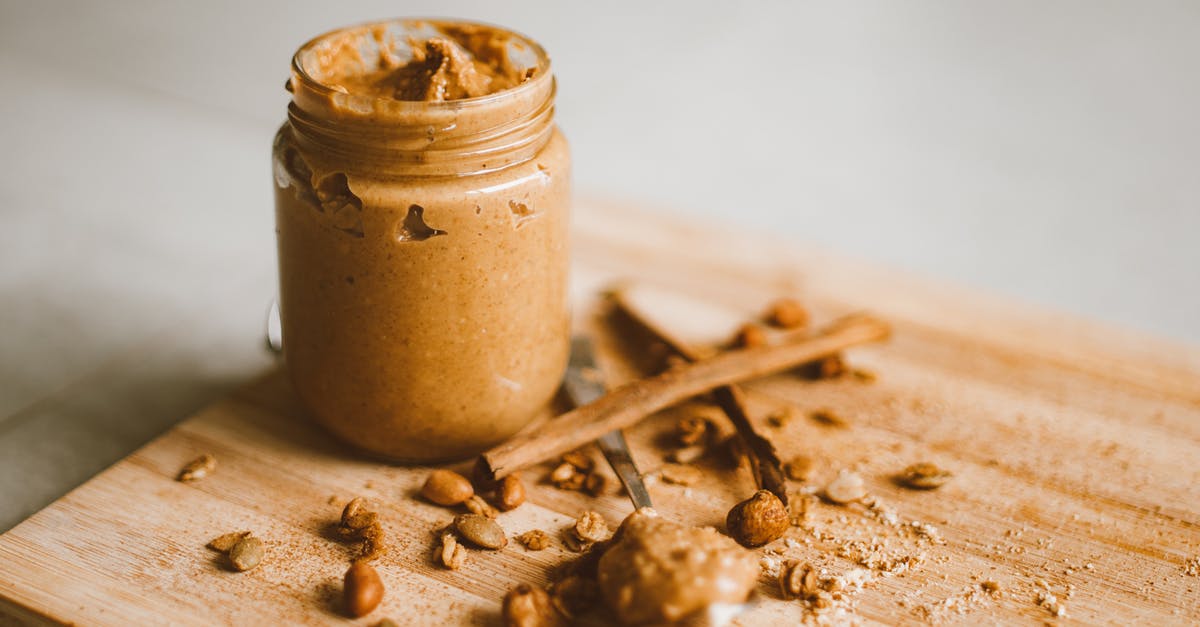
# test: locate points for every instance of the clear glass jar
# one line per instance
(422, 248)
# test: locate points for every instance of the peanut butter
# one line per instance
(422, 194)
(658, 571)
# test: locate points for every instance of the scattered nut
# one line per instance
(567, 477)
(749, 336)
(535, 540)
(562, 472)
(451, 553)
(446, 487)
(990, 587)
(356, 517)
(373, 545)
(787, 313)
(198, 468)
(246, 553)
(798, 580)
(362, 590)
(512, 493)
(595, 484)
(692, 430)
(591, 527)
(924, 476)
(687, 454)
(829, 367)
(581, 461)
(679, 474)
(573, 543)
(865, 376)
(829, 418)
(481, 531)
(476, 505)
(226, 541)
(359, 523)
(758, 520)
(799, 468)
(527, 606)
(847, 487)
(782, 416)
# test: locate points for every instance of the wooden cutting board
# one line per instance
(1075, 449)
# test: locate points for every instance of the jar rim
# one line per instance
(310, 82)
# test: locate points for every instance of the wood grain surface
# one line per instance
(1075, 449)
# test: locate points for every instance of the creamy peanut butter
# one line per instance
(658, 571)
(457, 61)
(422, 193)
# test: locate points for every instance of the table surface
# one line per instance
(1053, 159)
(1072, 445)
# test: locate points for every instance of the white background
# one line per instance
(1046, 150)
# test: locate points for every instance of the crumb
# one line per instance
(847, 487)
(924, 476)
(829, 418)
(591, 527)
(749, 336)
(782, 416)
(799, 468)
(865, 376)
(787, 313)
(476, 505)
(680, 474)
(692, 430)
(198, 468)
(535, 540)
(830, 367)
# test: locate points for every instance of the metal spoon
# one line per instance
(584, 383)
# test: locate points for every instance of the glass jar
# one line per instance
(422, 244)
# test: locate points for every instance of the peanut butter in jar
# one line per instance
(422, 195)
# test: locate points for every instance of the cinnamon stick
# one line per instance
(630, 403)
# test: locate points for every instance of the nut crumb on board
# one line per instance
(591, 527)
(362, 590)
(358, 523)
(924, 476)
(511, 493)
(829, 418)
(535, 539)
(198, 468)
(692, 430)
(446, 487)
(799, 468)
(480, 531)
(680, 474)
(224, 542)
(847, 487)
(450, 553)
(758, 520)
(242, 550)
(478, 506)
(786, 313)
(781, 417)
(749, 336)
(247, 553)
